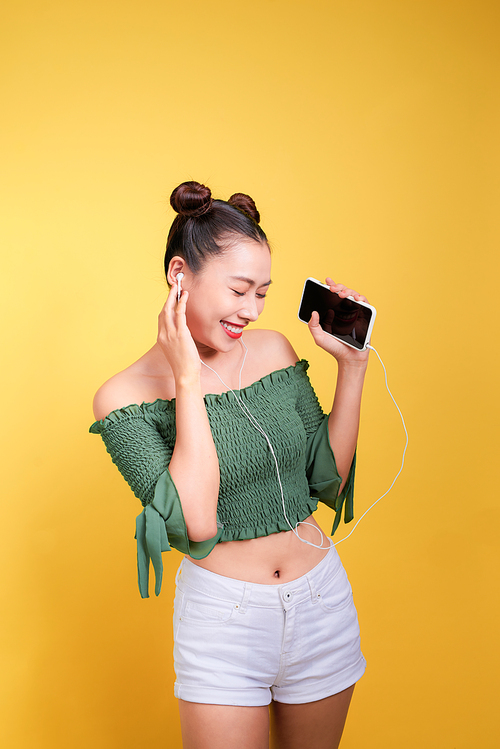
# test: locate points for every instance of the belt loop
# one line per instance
(245, 598)
(315, 596)
(178, 573)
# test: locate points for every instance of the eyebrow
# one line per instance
(249, 281)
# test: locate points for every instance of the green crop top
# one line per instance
(140, 440)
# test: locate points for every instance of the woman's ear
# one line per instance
(176, 265)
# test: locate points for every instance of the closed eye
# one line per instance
(242, 293)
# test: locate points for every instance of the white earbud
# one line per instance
(179, 278)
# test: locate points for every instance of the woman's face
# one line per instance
(227, 294)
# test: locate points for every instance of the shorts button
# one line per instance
(287, 595)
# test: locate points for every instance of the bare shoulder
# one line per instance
(117, 392)
(143, 381)
(272, 347)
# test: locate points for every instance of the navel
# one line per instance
(277, 573)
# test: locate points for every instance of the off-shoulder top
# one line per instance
(141, 439)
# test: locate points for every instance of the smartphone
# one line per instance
(346, 319)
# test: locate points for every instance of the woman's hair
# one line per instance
(206, 227)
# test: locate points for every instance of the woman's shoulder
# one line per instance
(143, 381)
(274, 350)
(115, 393)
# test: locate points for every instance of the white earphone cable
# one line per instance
(402, 461)
(257, 426)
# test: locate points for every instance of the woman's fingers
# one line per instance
(173, 312)
(174, 336)
(315, 327)
(180, 308)
(170, 302)
(344, 291)
(314, 321)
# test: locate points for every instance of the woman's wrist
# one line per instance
(353, 368)
(188, 384)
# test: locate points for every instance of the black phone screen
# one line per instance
(342, 318)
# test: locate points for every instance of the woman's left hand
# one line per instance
(332, 345)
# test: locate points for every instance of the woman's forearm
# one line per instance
(194, 465)
(343, 422)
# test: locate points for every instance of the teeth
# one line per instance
(231, 328)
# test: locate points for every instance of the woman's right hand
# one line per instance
(175, 339)
(194, 443)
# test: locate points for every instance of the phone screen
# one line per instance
(342, 318)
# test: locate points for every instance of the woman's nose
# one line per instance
(250, 311)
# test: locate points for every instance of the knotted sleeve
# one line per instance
(142, 455)
(321, 469)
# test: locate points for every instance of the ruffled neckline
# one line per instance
(211, 399)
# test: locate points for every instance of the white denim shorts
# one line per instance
(239, 643)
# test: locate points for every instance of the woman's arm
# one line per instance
(343, 422)
(194, 454)
(194, 466)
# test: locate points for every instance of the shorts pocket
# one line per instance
(336, 593)
(210, 613)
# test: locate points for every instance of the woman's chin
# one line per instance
(222, 344)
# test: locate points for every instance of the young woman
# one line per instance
(228, 449)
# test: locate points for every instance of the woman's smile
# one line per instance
(233, 330)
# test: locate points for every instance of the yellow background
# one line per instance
(368, 134)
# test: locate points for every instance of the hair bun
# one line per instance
(191, 199)
(245, 204)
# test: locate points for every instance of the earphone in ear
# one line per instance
(179, 278)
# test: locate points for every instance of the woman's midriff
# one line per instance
(269, 560)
